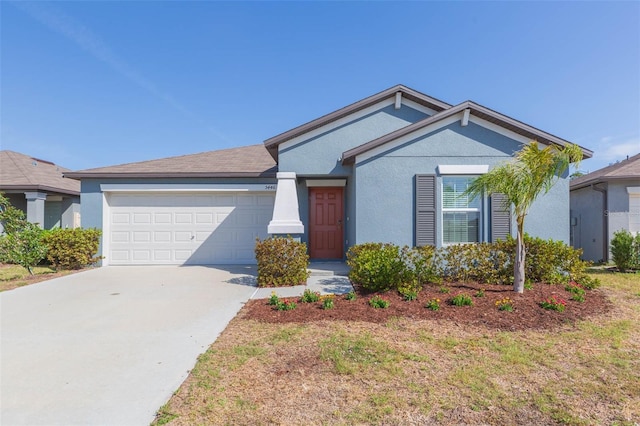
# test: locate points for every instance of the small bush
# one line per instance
(286, 305)
(409, 291)
(378, 302)
(505, 304)
(328, 302)
(351, 296)
(433, 304)
(24, 247)
(462, 300)
(587, 282)
(577, 292)
(281, 262)
(553, 303)
(310, 296)
(273, 299)
(625, 250)
(72, 248)
(376, 267)
(479, 293)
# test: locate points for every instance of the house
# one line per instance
(603, 202)
(387, 168)
(38, 188)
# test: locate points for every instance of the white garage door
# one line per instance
(186, 228)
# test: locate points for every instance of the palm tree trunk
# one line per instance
(518, 264)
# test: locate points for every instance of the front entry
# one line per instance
(325, 224)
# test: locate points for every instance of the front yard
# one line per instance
(14, 276)
(412, 370)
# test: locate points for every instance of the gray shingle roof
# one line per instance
(625, 169)
(247, 161)
(25, 173)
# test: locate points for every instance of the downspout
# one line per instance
(605, 219)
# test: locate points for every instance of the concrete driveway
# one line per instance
(110, 345)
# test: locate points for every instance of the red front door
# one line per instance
(325, 224)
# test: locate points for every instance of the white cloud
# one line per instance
(610, 149)
(619, 150)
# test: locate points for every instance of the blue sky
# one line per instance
(89, 84)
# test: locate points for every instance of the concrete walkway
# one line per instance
(109, 346)
(326, 278)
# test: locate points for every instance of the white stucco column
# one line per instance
(35, 207)
(286, 216)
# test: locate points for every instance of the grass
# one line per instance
(14, 276)
(420, 372)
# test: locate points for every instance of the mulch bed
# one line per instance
(527, 313)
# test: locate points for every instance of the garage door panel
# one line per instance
(162, 236)
(141, 237)
(187, 228)
(162, 218)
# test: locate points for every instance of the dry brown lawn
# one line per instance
(417, 371)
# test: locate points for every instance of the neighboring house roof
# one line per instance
(247, 161)
(420, 98)
(625, 169)
(475, 110)
(20, 172)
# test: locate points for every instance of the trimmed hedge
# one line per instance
(381, 267)
(72, 248)
(281, 262)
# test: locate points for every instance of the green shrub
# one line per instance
(377, 267)
(420, 264)
(309, 296)
(351, 296)
(72, 248)
(378, 302)
(625, 250)
(462, 300)
(577, 292)
(23, 247)
(328, 302)
(286, 305)
(281, 262)
(12, 219)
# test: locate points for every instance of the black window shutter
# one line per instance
(425, 210)
(500, 218)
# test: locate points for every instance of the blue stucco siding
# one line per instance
(320, 155)
(385, 203)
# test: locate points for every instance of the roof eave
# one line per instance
(156, 175)
(479, 111)
(272, 143)
(43, 188)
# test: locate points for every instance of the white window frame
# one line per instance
(480, 210)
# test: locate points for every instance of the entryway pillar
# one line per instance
(286, 215)
(35, 207)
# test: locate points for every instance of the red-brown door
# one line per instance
(325, 224)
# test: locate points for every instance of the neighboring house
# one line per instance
(38, 188)
(603, 202)
(388, 168)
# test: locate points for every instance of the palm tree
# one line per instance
(532, 172)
